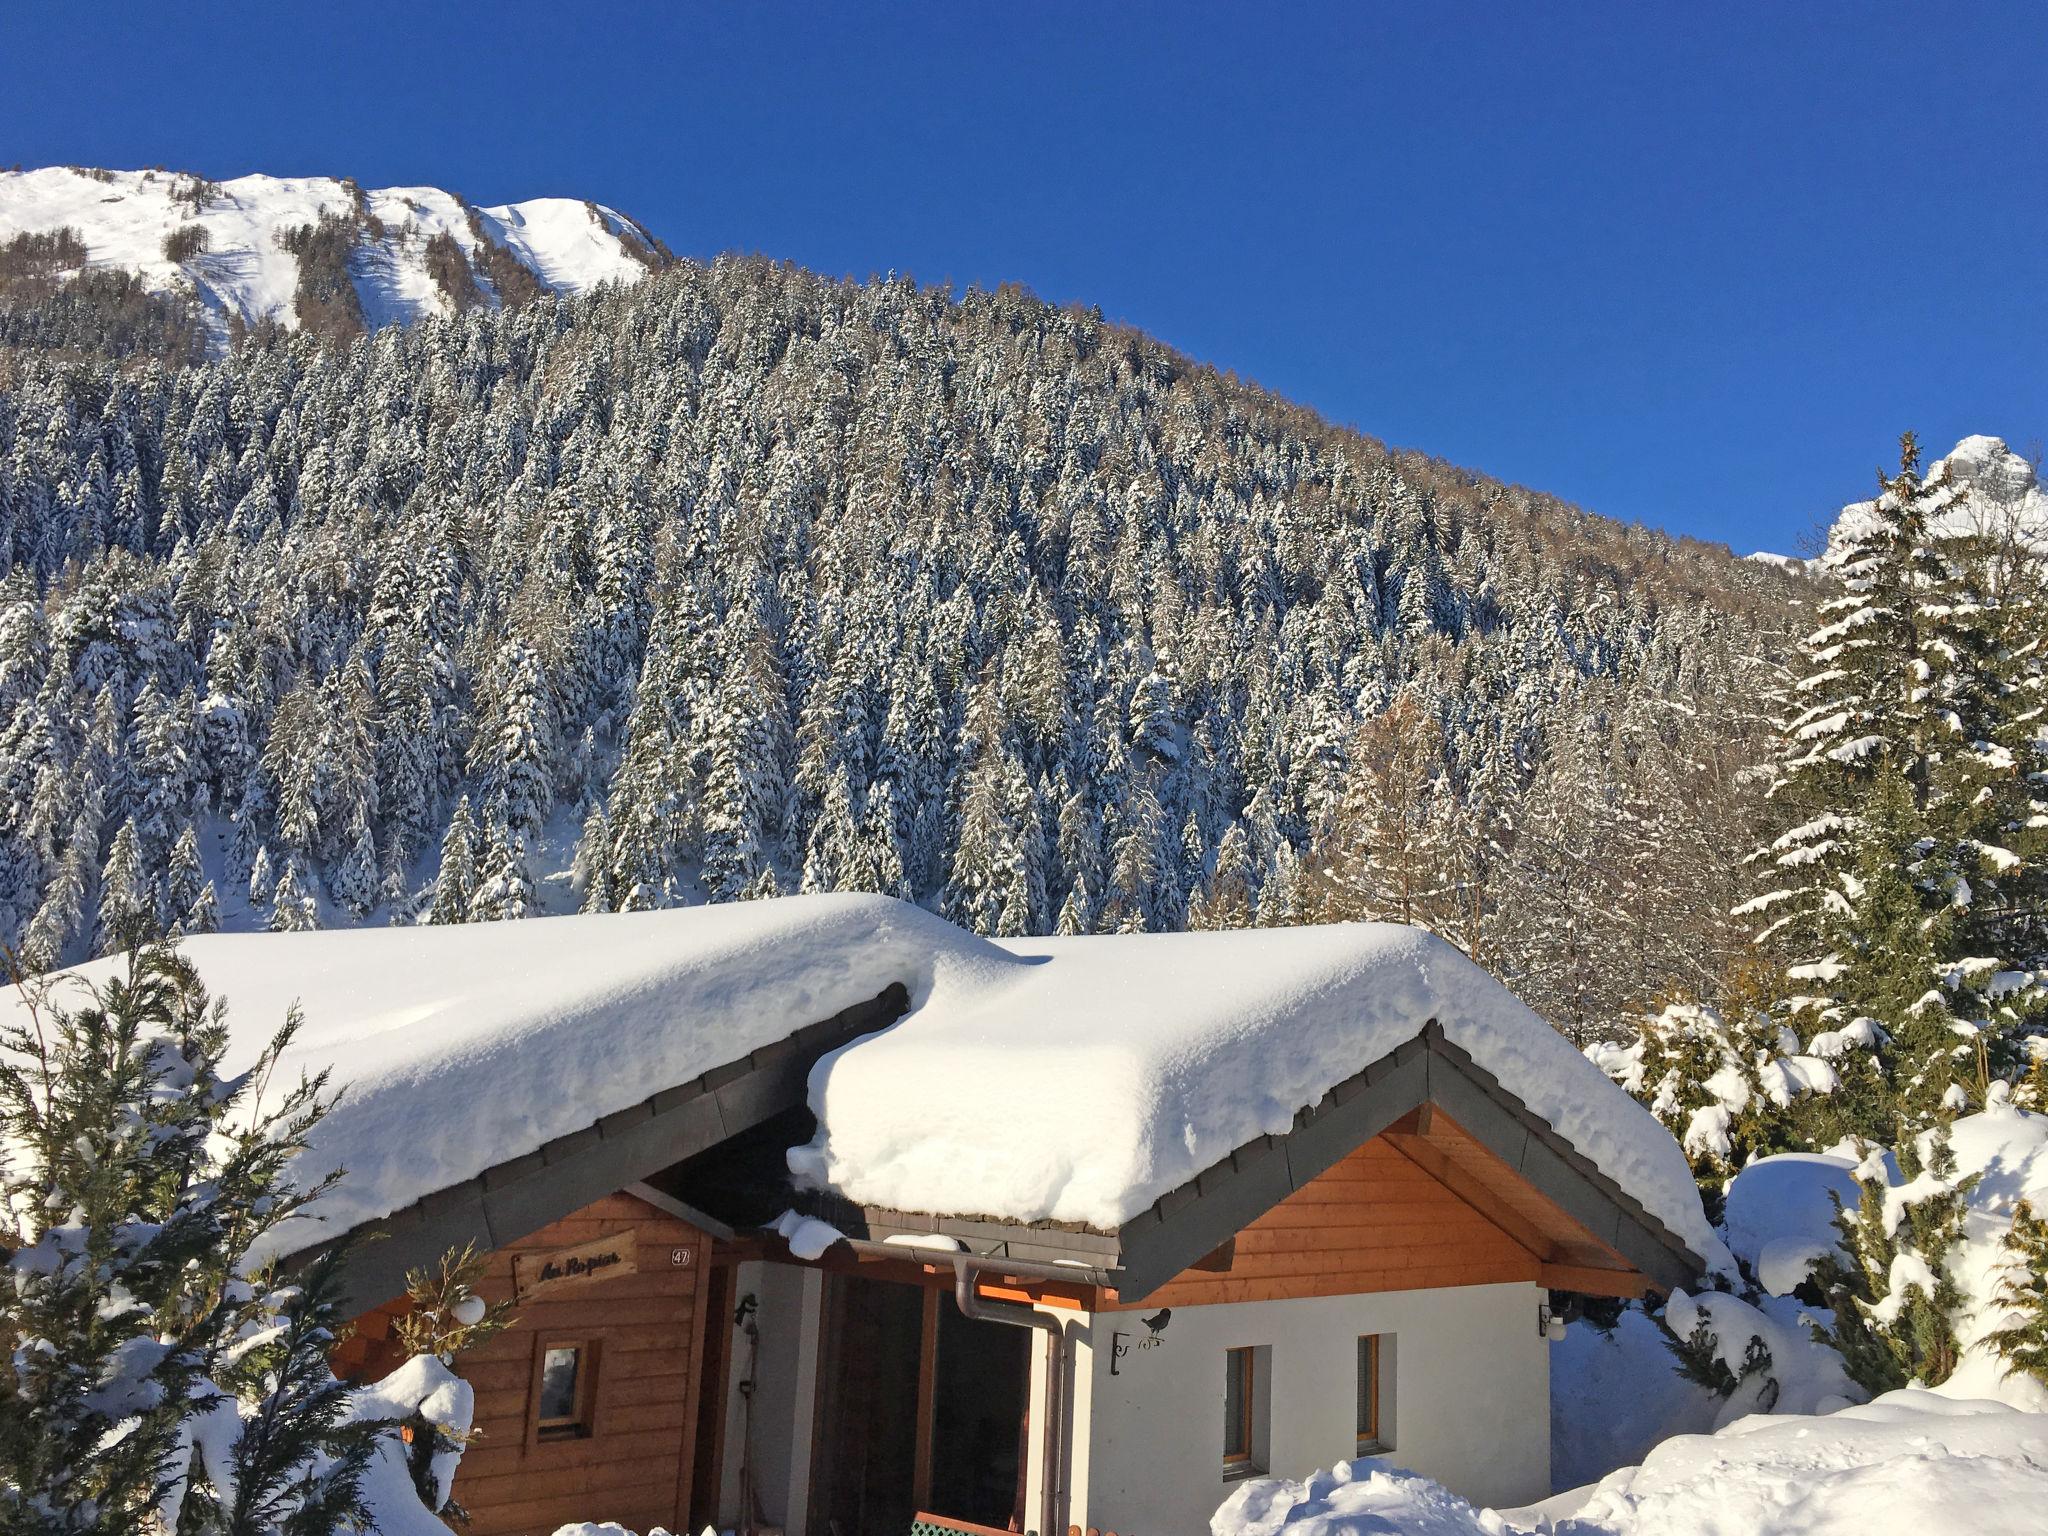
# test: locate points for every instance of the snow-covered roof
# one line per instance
(1072, 1080)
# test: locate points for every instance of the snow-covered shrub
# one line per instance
(157, 1379)
(1759, 1356)
(447, 1316)
(2023, 1342)
(1730, 1087)
(1893, 1295)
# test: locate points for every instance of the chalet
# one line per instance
(823, 1216)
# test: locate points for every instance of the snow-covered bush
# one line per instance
(1729, 1086)
(2023, 1341)
(157, 1380)
(447, 1316)
(1894, 1298)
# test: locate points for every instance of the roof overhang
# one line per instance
(1435, 1105)
(616, 1152)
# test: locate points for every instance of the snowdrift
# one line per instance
(1909, 1464)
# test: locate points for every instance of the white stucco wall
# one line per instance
(1469, 1405)
(785, 1399)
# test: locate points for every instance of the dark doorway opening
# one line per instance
(981, 1399)
(919, 1410)
(866, 1462)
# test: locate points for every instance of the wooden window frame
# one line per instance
(584, 1425)
(1373, 1439)
(1244, 1364)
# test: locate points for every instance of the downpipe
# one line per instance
(974, 1305)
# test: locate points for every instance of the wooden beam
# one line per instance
(1432, 1160)
(1587, 1281)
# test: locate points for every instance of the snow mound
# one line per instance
(1779, 1217)
(1358, 1498)
(1907, 1464)
(2005, 495)
(244, 275)
(1065, 1079)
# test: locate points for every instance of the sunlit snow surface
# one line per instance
(1074, 1079)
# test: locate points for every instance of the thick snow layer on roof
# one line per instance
(1073, 1079)
(462, 1047)
(124, 216)
(1103, 1072)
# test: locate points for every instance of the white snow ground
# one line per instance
(124, 218)
(1908, 1464)
(1073, 1079)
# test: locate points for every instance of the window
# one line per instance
(1240, 1400)
(564, 1389)
(1375, 1431)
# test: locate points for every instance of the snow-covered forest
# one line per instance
(744, 581)
(741, 582)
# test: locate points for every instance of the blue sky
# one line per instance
(1694, 266)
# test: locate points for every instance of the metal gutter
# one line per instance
(990, 1265)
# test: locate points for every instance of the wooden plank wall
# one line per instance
(1373, 1222)
(635, 1467)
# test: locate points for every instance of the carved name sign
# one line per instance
(599, 1259)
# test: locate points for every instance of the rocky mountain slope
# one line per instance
(313, 251)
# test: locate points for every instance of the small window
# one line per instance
(565, 1381)
(1373, 1427)
(1240, 1396)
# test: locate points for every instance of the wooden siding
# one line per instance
(634, 1467)
(1375, 1221)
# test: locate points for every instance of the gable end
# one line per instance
(1198, 1217)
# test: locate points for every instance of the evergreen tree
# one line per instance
(1872, 888)
(1894, 1299)
(2023, 1341)
(504, 883)
(355, 882)
(293, 908)
(455, 885)
(136, 1187)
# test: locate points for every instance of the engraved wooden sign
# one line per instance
(599, 1259)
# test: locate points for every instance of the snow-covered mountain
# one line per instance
(2006, 495)
(243, 250)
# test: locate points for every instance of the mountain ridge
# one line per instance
(313, 251)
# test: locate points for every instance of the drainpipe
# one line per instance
(974, 1305)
